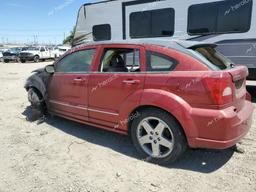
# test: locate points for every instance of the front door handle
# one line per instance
(131, 81)
(78, 80)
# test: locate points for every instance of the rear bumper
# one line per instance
(220, 129)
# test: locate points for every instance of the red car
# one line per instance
(168, 95)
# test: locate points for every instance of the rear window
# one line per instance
(212, 58)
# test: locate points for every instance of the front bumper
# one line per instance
(220, 129)
(27, 58)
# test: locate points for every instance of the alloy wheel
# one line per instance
(155, 137)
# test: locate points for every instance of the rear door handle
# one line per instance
(131, 82)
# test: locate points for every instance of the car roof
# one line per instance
(173, 44)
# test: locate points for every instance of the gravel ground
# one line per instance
(62, 156)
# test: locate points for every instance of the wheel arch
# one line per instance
(168, 102)
(37, 83)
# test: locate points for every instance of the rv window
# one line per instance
(120, 60)
(155, 23)
(101, 32)
(235, 16)
(220, 17)
(77, 62)
(160, 62)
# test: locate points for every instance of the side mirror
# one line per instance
(49, 69)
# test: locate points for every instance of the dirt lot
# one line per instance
(63, 156)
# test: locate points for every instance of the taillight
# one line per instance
(220, 89)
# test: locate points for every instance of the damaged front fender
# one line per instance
(38, 80)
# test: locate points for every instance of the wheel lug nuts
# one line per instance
(151, 133)
(156, 133)
(151, 138)
(155, 141)
(159, 139)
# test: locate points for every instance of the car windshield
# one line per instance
(33, 48)
(212, 58)
(14, 50)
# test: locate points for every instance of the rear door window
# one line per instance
(120, 60)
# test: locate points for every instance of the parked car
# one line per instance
(168, 95)
(12, 54)
(35, 54)
(60, 50)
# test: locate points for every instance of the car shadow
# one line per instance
(198, 160)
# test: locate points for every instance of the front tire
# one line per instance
(36, 59)
(23, 61)
(157, 136)
(37, 104)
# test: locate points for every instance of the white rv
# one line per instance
(229, 23)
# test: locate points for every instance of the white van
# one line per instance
(229, 23)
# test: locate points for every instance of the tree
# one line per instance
(69, 39)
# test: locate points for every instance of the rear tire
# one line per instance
(6, 61)
(157, 136)
(23, 61)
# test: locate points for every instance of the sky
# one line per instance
(44, 21)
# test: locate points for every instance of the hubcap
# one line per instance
(155, 137)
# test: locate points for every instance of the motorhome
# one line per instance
(231, 24)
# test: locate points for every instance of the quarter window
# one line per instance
(155, 23)
(77, 62)
(160, 62)
(220, 17)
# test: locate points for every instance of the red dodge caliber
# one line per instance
(168, 95)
